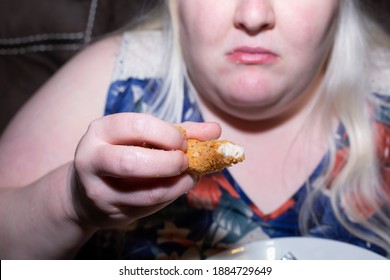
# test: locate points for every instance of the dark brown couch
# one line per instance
(38, 36)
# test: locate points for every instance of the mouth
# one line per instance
(252, 56)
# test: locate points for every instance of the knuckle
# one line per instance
(138, 123)
(94, 127)
(94, 194)
(128, 161)
(98, 196)
(81, 161)
(155, 196)
(86, 152)
(79, 164)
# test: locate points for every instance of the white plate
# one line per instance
(302, 248)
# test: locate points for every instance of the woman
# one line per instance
(284, 79)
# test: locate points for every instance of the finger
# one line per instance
(202, 131)
(136, 129)
(132, 213)
(148, 192)
(132, 161)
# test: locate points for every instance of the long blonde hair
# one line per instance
(357, 189)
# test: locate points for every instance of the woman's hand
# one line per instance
(130, 165)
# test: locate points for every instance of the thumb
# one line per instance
(201, 131)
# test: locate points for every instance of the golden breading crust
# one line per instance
(206, 157)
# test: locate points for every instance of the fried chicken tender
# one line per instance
(206, 157)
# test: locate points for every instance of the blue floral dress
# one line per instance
(216, 214)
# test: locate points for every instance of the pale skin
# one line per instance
(44, 212)
(66, 171)
(257, 65)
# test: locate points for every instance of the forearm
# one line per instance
(38, 221)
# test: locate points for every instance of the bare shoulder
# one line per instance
(46, 131)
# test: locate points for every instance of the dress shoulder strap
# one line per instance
(140, 55)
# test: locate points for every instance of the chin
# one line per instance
(252, 114)
(253, 109)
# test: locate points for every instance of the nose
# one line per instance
(254, 16)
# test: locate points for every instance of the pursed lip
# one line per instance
(252, 55)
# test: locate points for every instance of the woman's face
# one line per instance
(255, 59)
